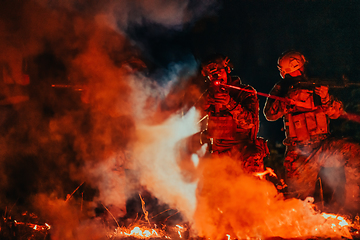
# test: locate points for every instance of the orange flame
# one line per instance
(34, 226)
(267, 171)
(180, 230)
(146, 233)
(137, 232)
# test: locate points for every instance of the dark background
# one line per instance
(254, 33)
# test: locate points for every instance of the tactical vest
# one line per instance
(308, 123)
(225, 125)
(221, 127)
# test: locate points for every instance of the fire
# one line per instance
(34, 226)
(335, 222)
(236, 205)
(146, 232)
(342, 221)
(267, 171)
(180, 230)
(143, 232)
(339, 225)
(138, 232)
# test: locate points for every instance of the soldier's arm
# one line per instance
(248, 100)
(249, 108)
(274, 109)
(332, 106)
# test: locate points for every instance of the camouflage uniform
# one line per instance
(309, 150)
(233, 128)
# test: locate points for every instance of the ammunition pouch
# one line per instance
(221, 127)
(306, 126)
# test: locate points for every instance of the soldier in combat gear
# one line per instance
(316, 165)
(232, 116)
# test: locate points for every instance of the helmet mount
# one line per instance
(290, 62)
(214, 64)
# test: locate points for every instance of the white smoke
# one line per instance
(156, 157)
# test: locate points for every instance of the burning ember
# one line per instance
(269, 171)
(145, 232)
(12, 227)
(34, 226)
(138, 232)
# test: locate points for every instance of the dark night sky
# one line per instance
(254, 33)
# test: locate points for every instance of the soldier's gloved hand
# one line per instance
(323, 92)
(221, 98)
(291, 105)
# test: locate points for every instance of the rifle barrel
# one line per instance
(258, 93)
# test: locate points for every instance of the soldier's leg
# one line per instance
(330, 187)
(301, 174)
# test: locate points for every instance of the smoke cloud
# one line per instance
(66, 152)
(155, 155)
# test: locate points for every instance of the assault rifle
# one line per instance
(217, 83)
(331, 83)
(312, 83)
(345, 115)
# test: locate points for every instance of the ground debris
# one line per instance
(24, 227)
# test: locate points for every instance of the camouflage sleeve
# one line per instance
(249, 114)
(245, 119)
(249, 102)
(274, 109)
(333, 108)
